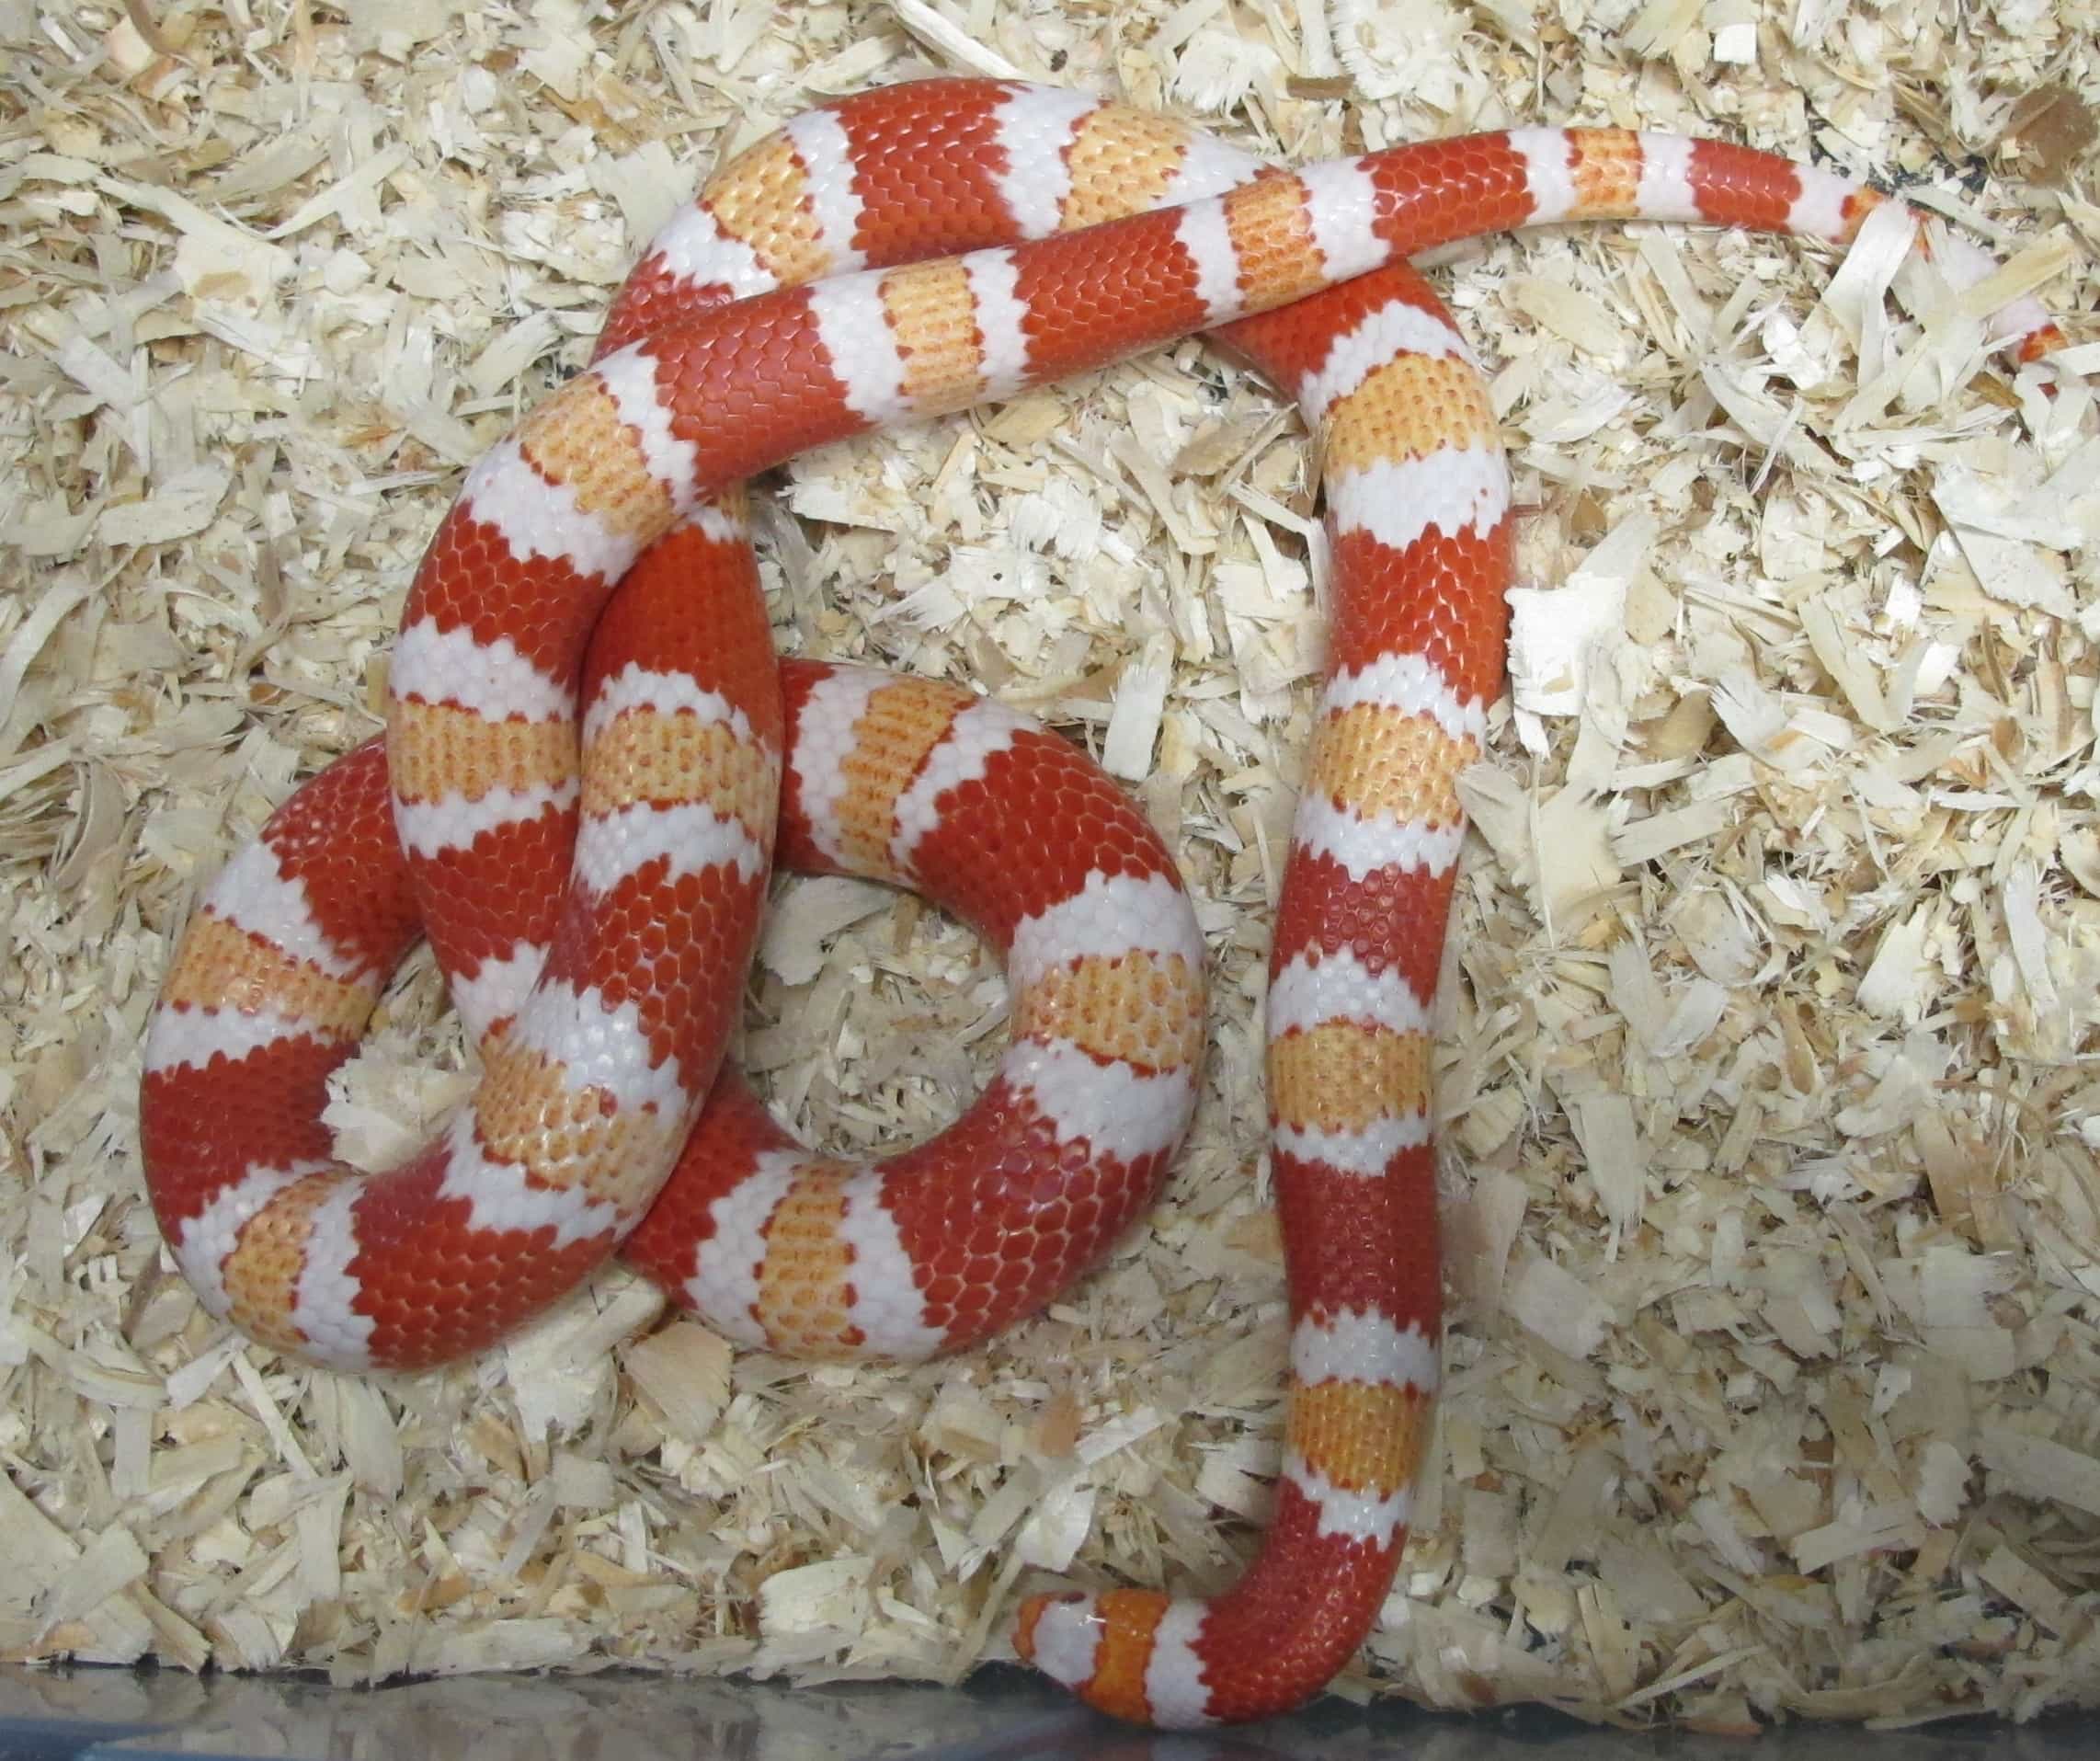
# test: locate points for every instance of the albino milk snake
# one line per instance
(579, 793)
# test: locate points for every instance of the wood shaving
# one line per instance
(1774, 1217)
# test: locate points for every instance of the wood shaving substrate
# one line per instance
(1774, 1370)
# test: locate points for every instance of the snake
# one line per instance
(594, 760)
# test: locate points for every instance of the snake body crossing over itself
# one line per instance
(580, 793)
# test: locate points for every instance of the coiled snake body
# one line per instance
(580, 793)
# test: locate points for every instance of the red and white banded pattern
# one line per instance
(581, 791)
(951, 1241)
